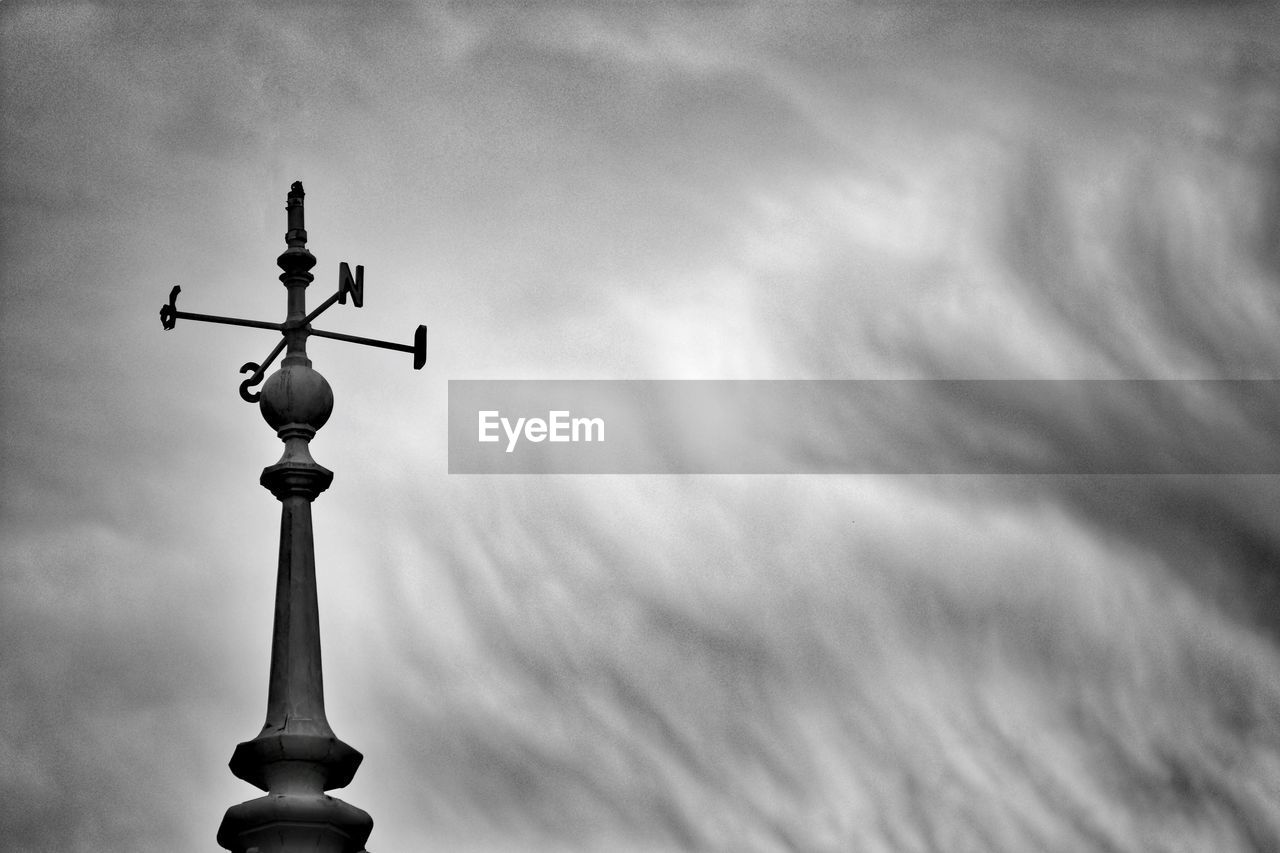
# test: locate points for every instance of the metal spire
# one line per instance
(296, 757)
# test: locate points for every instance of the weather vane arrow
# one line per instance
(297, 325)
(296, 757)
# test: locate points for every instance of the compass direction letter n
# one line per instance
(347, 284)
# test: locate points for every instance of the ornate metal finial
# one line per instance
(296, 757)
(297, 233)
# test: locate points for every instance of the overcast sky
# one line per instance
(674, 191)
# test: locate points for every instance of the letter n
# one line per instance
(347, 284)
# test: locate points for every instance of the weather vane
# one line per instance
(296, 757)
(295, 326)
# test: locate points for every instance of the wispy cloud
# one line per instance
(548, 663)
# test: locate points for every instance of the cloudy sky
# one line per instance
(635, 191)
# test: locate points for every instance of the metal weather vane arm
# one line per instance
(170, 315)
(347, 285)
(418, 347)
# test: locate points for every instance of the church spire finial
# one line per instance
(296, 757)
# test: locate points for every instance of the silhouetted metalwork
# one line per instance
(296, 757)
(348, 286)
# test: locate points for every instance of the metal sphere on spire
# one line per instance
(296, 395)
